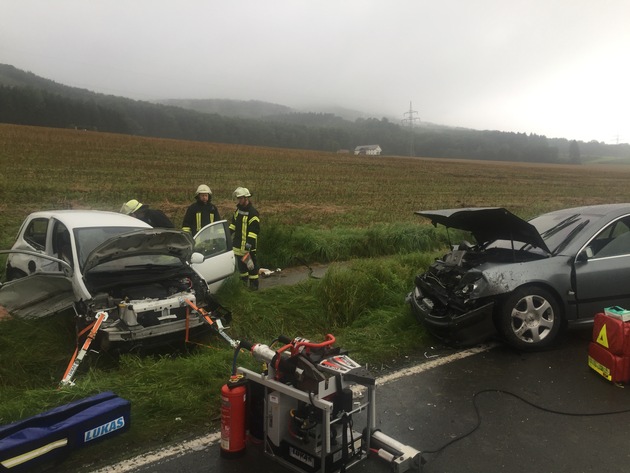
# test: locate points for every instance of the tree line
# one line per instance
(27, 100)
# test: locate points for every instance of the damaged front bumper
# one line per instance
(454, 328)
(150, 321)
(122, 333)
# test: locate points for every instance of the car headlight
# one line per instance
(472, 288)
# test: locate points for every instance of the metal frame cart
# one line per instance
(306, 398)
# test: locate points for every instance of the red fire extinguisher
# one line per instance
(233, 414)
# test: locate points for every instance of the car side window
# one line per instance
(211, 240)
(35, 233)
(613, 240)
(61, 244)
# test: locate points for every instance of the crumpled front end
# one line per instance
(146, 321)
(445, 300)
(151, 320)
(147, 313)
(453, 327)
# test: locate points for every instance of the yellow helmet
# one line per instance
(241, 192)
(203, 189)
(130, 207)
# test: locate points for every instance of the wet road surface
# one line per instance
(502, 410)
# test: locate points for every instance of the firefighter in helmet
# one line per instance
(154, 217)
(201, 212)
(245, 228)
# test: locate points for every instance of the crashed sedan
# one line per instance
(148, 280)
(524, 281)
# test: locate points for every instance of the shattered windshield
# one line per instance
(559, 229)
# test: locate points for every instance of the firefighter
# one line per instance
(201, 212)
(244, 228)
(154, 217)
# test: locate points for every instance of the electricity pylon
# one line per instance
(409, 120)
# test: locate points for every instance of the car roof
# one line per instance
(596, 210)
(91, 218)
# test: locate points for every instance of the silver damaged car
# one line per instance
(524, 281)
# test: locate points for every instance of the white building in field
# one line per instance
(371, 150)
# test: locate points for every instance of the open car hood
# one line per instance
(487, 224)
(149, 241)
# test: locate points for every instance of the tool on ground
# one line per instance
(304, 408)
(78, 356)
(213, 319)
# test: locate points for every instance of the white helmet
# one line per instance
(130, 207)
(203, 189)
(241, 192)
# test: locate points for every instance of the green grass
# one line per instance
(314, 206)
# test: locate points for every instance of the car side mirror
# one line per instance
(585, 255)
(197, 258)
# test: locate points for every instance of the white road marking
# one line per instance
(201, 443)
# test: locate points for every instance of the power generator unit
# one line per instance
(304, 405)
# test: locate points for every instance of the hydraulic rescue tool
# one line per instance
(78, 356)
(214, 319)
(303, 407)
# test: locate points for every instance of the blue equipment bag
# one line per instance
(53, 435)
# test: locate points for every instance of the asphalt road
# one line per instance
(503, 411)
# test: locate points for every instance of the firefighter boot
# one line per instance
(253, 284)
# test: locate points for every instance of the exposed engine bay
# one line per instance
(142, 309)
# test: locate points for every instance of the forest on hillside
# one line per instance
(26, 99)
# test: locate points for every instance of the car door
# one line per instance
(39, 294)
(602, 271)
(215, 244)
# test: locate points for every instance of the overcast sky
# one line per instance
(559, 68)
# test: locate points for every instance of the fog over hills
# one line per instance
(27, 99)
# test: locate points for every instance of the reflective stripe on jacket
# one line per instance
(245, 227)
(198, 215)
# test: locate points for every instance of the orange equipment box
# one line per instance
(612, 334)
(612, 367)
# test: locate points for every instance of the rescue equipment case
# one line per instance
(49, 437)
(609, 351)
(612, 333)
(612, 367)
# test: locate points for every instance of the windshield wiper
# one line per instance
(570, 236)
(560, 226)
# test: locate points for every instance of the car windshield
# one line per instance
(89, 238)
(558, 229)
(140, 263)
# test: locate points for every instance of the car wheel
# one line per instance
(530, 318)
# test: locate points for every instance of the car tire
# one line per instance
(530, 318)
